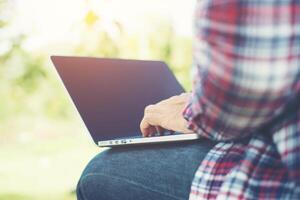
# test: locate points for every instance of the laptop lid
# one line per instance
(111, 94)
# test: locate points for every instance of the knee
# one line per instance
(91, 187)
(91, 184)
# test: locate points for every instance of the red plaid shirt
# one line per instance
(246, 96)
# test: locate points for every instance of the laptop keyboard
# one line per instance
(166, 133)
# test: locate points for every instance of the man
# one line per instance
(246, 100)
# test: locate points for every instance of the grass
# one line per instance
(44, 165)
(44, 197)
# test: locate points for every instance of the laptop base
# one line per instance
(148, 140)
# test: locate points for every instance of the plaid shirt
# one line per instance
(246, 96)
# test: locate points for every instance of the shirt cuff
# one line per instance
(190, 112)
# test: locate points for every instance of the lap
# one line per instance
(162, 171)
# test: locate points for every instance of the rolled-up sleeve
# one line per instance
(246, 65)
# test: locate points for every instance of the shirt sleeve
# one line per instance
(246, 65)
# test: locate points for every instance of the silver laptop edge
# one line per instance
(148, 140)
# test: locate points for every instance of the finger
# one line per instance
(159, 130)
(147, 129)
(151, 131)
(144, 126)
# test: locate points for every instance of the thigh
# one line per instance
(162, 172)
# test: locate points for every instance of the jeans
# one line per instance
(148, 172)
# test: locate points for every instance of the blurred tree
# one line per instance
(30, 89)
(23, 76)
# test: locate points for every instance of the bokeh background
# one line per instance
(44, 145)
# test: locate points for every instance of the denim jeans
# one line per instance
(148, 172)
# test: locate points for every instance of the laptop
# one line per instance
(111, 95)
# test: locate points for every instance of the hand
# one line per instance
(166, 114)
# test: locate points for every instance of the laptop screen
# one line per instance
(111, 94)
